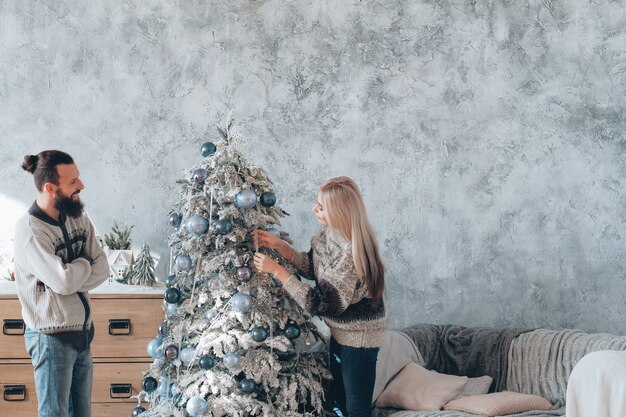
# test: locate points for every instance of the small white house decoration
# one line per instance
(119, 261)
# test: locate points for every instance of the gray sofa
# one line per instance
(521, 360)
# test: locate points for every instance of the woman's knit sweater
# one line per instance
(340, 297)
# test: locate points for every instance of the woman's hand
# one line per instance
(264, 263)
(261, 238)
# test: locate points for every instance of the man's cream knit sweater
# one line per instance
(56, 263)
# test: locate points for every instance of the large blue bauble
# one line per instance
(231, 360)
(173, 295)
(245, 199)
(208, 149)
(292, 331)
(153, 347)
(241, 303)
(187, 355)
(247, 386)
(206, 362)
(183, 263)
(259, 334)
(244, 274)
(200, 175)
(197, 406)
(268, 199)
(149, 384)
(223, 226)
(137, 410)
(197, 225)
(174, 219)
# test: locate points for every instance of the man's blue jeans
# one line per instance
(354, 374)
(63, 376)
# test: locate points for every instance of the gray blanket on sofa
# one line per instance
(465, 351)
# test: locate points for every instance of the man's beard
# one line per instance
(68, 206)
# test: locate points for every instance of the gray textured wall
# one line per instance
(487, 136)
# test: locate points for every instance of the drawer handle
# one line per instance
(14, 392)
(13, 327)
(121, 390)
(119, 327)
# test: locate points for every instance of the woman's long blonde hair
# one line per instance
(346, 213)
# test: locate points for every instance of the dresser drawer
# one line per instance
(18, 398)
(124, 326)
(12, 336)
(117, 382)
(113, 384)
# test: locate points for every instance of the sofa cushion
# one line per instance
(397, 350)
(476, 386)
(499, 403)
(416, 388)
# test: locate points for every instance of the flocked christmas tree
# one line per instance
(233, 343)
(142, 272)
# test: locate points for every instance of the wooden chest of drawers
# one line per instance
(125, 323)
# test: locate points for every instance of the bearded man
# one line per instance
(57, 261)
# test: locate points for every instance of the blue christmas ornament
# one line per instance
(208, 149)
(268, 199)
(197, 406)
(173, 389)
(171, 352)
(175, 219)
(187, 355)
(231, 360)
(171, 309)
(172, 295)
(137, 410)
(223, 227)
(153, 347)
(241, 303)
(183, 263)
(210, 315)
(244, 274)
(169, 280)
(245, 199)
(206, 362)
(259, 334)
(247, 386)
(200, 175)
(149, 384)
(164, 387)
(197, 225)
(292, 331)
(273, 231)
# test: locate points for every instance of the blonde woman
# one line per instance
(345, 263)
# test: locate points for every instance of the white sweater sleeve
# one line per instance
(64, 279)
(100, 264)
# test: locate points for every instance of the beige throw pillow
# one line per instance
(476, 386)
(499, 403)
(416, 388)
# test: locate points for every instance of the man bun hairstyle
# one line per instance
(30, 163)
(43, 166)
